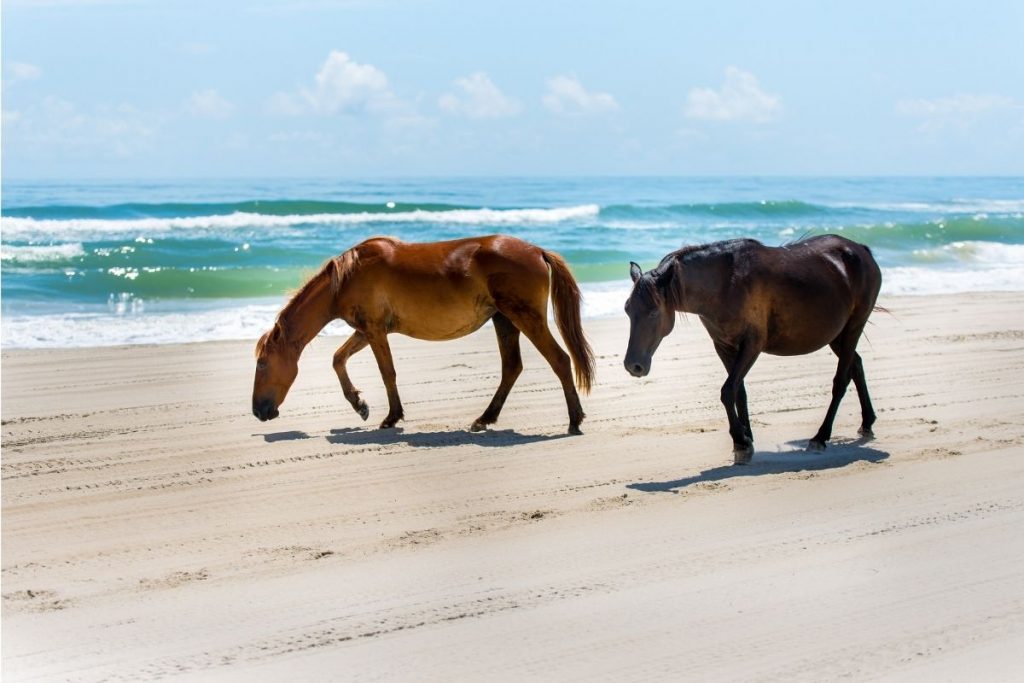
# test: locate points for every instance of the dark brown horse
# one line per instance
(433, 291)
(751, 298)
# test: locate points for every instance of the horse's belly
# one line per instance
(793, 348)
(434, 319)
(442, 332)
(797, 341)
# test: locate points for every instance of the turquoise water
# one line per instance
(151, 262)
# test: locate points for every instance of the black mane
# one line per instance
(658, 283)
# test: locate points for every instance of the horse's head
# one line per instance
(651, 318)
(277, 364)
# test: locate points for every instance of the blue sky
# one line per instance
(95, 88)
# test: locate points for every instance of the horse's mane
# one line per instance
(337, 268)
(650, 287)
(710, 249)
(660, 284)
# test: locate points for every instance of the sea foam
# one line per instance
(1006, 207)
(54, 253)
(26, 229)
(117, 325)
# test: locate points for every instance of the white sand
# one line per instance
(153, 528)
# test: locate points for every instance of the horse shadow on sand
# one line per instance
(491, 438)
(358, 436)
(838, 454)
(293, 435)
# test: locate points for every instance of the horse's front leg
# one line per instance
(738, 362)
(353, 345)
(382, 352)
(742, 412)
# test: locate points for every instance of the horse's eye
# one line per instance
(261, 365)
(654, 314)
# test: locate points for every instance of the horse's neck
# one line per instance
(693, 288)
(305, 316)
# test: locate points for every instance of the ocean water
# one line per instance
(130, 262)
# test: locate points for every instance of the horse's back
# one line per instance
(848, 264)
(824, 262)
(447, 257)
(443, 290)
(806, 293)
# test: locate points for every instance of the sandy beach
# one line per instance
(153, 528)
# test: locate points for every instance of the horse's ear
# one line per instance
(634, 271)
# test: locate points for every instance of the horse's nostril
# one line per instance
(635, 369)
(264, 410)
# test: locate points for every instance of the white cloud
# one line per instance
(567, 96)
(197, 49)
(21, 71)
(960, 111)
(61, 127)
(955, 105)
(302, 136)
(342, 86)
(43, 4)
(235, 142)
(479, 98)
(285, 104)
(410, 120)
(739, 99)
(208, 104)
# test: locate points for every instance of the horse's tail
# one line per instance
(565, 297)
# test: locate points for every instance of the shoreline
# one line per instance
(153, 528)
(227, 320)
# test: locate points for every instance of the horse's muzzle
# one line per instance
(636, 369)
(264, 409)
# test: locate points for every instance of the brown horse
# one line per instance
(786, 301)
(433, 291)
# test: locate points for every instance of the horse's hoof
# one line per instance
(815, 446)
(390, 422)
(742, 456)
(363, 410)
(866, 432)
(574, 430)
(478, 426)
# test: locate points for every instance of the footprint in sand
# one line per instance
(174, 579)
(31, 600)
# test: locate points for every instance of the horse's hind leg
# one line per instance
(866, 411)
(845, 347)
(382, 352)
(533, 323)
(353, 345)
(511, 367)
